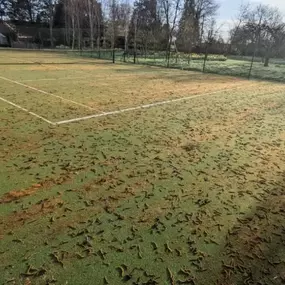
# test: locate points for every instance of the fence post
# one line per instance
(168, 58)
(113, 55)
(251, 65)
(205, 60)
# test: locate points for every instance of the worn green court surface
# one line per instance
(186, 192)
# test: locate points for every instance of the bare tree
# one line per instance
(50, 7)
(70, 10)
(238, 22)
(3, 8)
(91, 22)
(112, 22)
(98, 22)
(125, 10)
(262, 30)
(94, 12)
(212, 33)
(170, 10)
(272, 36)
(196, 14)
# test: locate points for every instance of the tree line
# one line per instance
(186, 25)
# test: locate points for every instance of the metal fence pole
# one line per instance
(168, 58)
(113, 55)
(205, 59)
(251, 64)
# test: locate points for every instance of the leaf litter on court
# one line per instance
(189, 193)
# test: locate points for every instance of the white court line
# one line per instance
(47, 93)
(53, 79)
(25, 110)
(143, 106)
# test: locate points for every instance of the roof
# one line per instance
(4, 28)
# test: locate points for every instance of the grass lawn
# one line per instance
(275, 72)
(233, 67)
(181, 192)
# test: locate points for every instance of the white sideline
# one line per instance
(53, 79)
(103, 114)
(25, 110)
(44, 92)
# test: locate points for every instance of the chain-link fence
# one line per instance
(246, 67)
(240, 66)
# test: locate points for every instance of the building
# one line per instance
(3, 41)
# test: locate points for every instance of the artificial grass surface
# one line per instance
(189, 192)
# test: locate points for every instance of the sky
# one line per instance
(229, 10)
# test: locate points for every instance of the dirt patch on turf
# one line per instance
(18, 143)
(18, 194)
(131, 95)
(19, 218)
(15, 195)
(43, 67)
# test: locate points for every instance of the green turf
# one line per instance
(188, 192)
(215, 64)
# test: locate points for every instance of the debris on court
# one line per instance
(184, 193)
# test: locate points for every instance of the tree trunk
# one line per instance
(126, 40)
(135, 40)
(78, 33)
(201, 34)
(73, 32)
(266, 62)
(91, 24)
(51, 32)
(66, 27)
(51, 14)
(98, 31)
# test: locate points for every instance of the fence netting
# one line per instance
(241, 66)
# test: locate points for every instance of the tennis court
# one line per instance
(128, 174)
(62, 89)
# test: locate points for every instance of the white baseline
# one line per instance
(27, 111)
(46, 93)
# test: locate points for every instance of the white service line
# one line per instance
(47, 93)
(54, 79)
(143, 106)
(25, 110)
